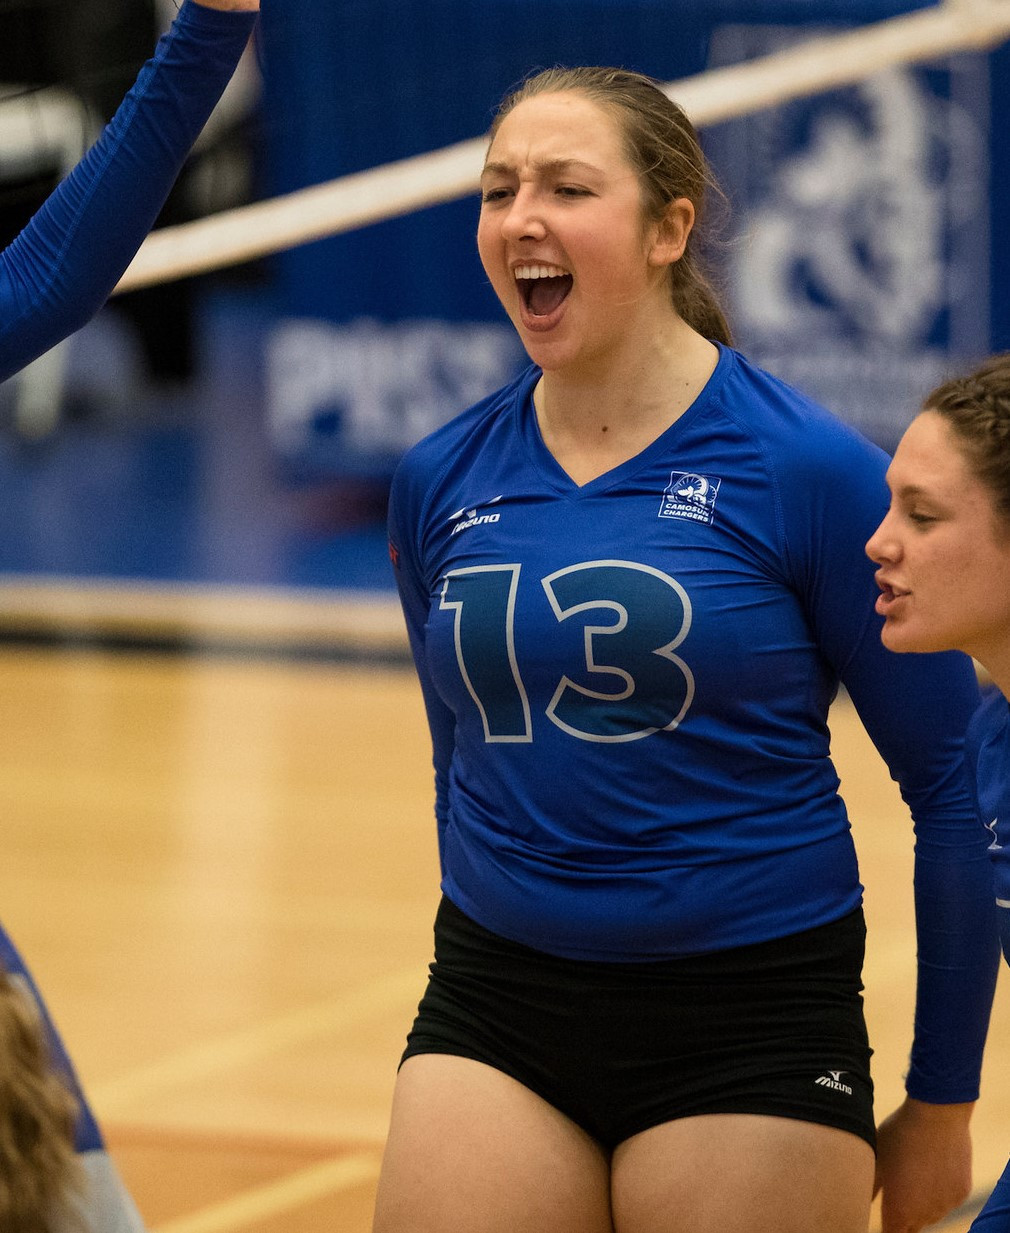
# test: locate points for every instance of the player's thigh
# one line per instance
(741, 1173)
(471, 1149)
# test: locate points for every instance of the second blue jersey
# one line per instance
(988, 760)
(628, 682)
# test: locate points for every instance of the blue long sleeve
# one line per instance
(956, 925)
(916, 709)
(60, 270)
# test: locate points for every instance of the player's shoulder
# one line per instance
(460, 437)
(990, 722)
(801, 439)
(785, 415)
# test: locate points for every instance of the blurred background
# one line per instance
(215, 781)
(240, 428)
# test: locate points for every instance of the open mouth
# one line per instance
(888, 597)
(543, 288)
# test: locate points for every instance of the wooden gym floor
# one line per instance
(222, 871)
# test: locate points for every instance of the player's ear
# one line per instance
(670, 233)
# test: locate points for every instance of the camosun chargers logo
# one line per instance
(689, 495)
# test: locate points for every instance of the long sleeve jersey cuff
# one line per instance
(958, 963)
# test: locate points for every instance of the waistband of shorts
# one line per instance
(821, 945)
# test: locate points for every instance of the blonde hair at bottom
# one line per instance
(40, 1175)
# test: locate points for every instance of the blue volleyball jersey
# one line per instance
(995, 1216)
(628, 682)
(61, 269)
(987, 757)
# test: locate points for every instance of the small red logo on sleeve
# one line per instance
(394, 554)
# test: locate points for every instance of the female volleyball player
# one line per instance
(633, 580)
(944, 557)
(54, 1172)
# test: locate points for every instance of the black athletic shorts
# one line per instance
(774, 1028)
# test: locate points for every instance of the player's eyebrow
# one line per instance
(552, 166)
(915, 492)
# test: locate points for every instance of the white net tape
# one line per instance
(445, 175)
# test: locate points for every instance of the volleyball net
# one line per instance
(814, 66)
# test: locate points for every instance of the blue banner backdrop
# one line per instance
(861, 268)
(862, 245)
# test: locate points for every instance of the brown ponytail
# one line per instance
(39, 1170)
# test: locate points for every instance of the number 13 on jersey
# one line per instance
(633, 618)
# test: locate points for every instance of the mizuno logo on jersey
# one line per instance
(471, 518)
(833, 1080)
(690, 496)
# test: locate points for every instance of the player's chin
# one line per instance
(549, 354)
(902, 637)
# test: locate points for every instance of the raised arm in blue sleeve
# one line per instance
(61, 269)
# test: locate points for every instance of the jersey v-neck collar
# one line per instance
(554, 473)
